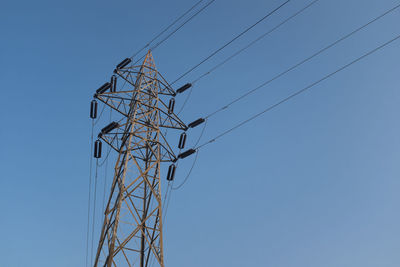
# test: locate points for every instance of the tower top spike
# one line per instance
(149, 60)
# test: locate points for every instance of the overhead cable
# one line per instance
(189, 173)
(243, 49)
(174, 31)
(94, 208)
(166, 29)
(90, 193)
(106, 169)
(301, 62)
(298, 92)
(231, 41)
(255, 41)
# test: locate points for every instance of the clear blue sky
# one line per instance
(314, 183)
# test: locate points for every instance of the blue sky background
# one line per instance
(313, 183)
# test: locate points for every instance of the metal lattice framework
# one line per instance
(132, 233)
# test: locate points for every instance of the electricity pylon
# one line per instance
(132, 229)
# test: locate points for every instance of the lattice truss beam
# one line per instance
(132, 229)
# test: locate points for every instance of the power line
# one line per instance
(171, 186)
(298, 92)
(231, 41)
(174, 31)
(94, 208)
(189, 173)
(165, 207)
(186, 100)
(101, 113)
(255, 41)
(194, 162)
(167, 28)
(106, 169)
(302, 62)
(90, 193)
(183, 24)
(244, 48)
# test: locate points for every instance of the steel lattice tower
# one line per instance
(132, 229)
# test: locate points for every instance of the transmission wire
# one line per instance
(166, 200)
(168, 194)
(298, 92)
(240, 51)
(101, 113)
(105, 171)
(186, 100)
(195, 160)
(174, 31)
(90, 193)
(171, 185)
(198, 12)
(94, 207)
(302, 62)
(231, 41)
(188, 175)
(254, 41)
(106, 158)
(166, 29)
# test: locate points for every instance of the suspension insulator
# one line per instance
(196, 123)
(113, 83)
(184, 88)
(103, 88)
(187, 153)
(124, 63)
(93, 109)
(171, 105)
(171, 172)
(182, 141)
(97, 149)
(110, 127)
